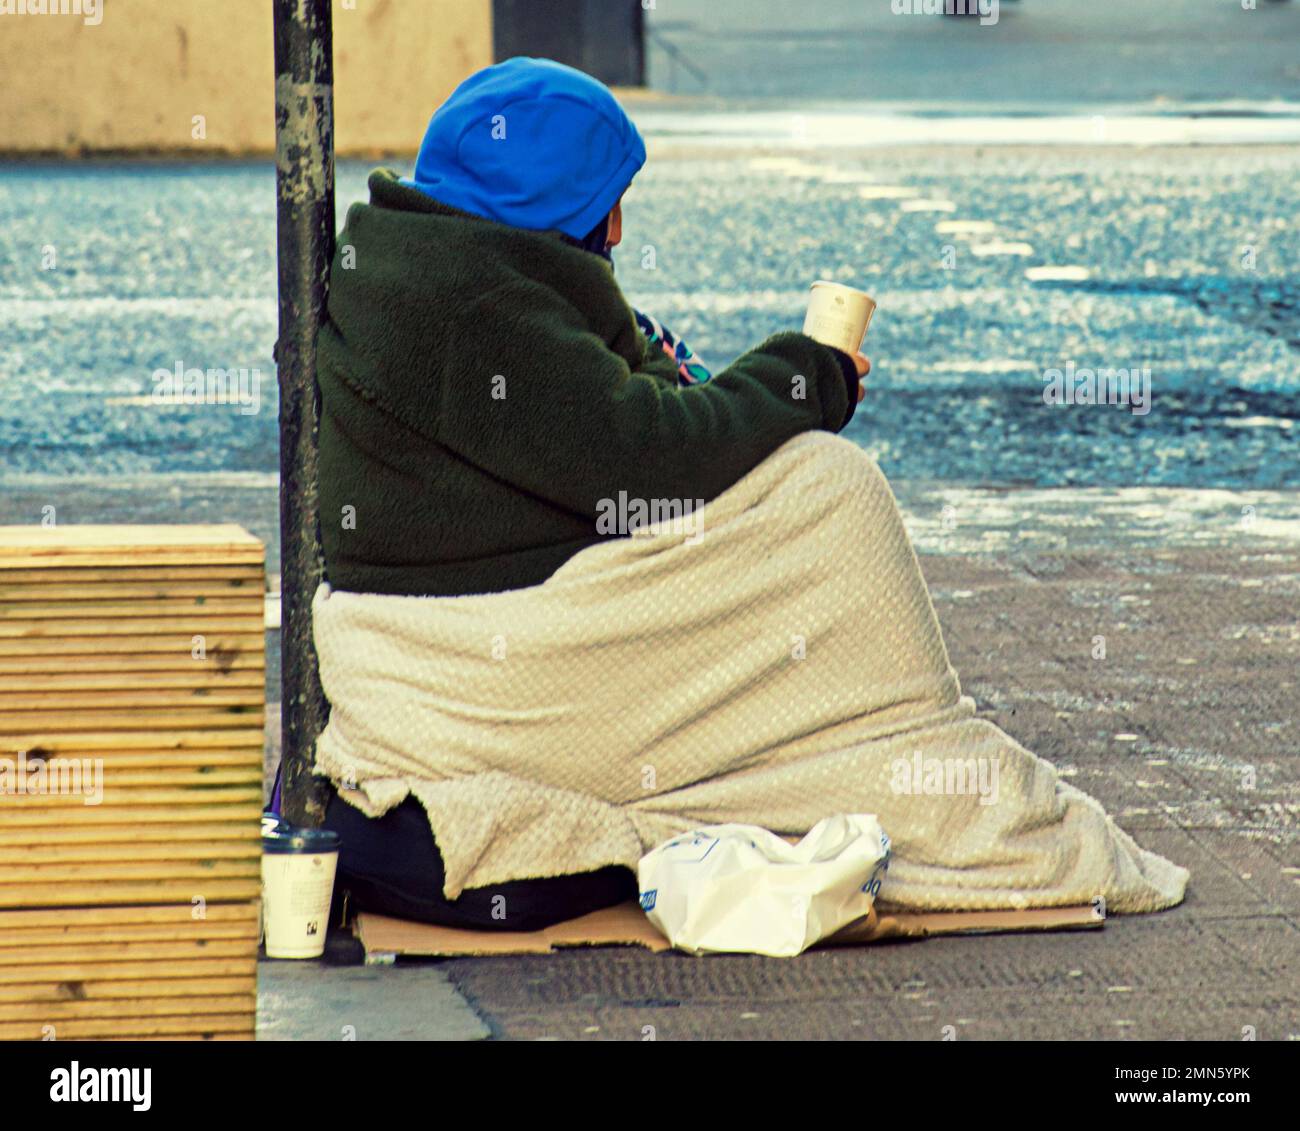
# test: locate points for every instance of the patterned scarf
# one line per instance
(690, 369)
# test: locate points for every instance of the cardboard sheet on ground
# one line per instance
(626, 925)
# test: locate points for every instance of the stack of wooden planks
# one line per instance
(131, 731)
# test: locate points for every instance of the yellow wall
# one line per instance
(137, 79)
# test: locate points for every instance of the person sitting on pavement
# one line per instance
(485, 383)
(486, 394)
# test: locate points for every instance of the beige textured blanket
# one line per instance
(774, 661)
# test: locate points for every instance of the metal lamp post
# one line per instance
(304, 174)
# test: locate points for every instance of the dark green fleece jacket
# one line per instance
(483, 388)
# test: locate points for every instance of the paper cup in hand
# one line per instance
(297, 885)
(838, 316)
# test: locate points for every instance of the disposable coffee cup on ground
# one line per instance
(838, 315)
(297, 884)
(269, 822)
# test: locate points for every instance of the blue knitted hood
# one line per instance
(533, 144)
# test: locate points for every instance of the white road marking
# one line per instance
(1063, 274)
(837, 130)
(1002, 247)
(922, 205)
(964, 227)
(1260, 422)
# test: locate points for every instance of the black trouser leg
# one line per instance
(391, 865)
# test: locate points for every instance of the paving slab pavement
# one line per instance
(309, 1001)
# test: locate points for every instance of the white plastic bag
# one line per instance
(742, 889)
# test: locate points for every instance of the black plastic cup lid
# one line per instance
(283, 840)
